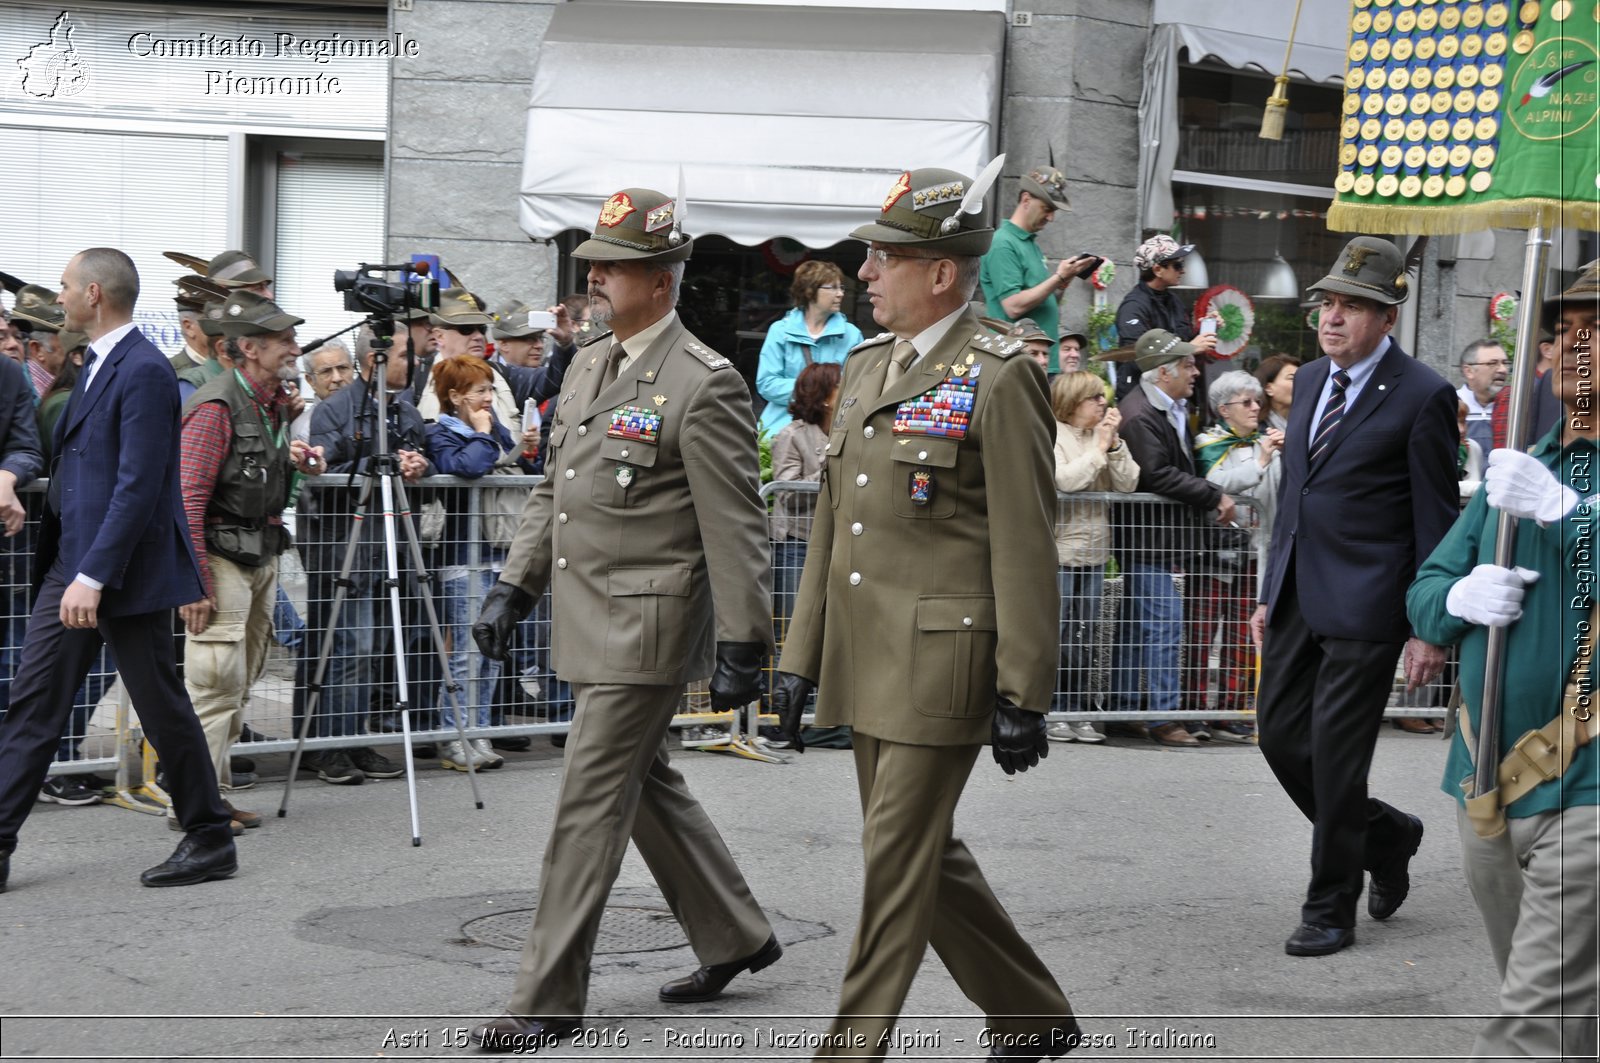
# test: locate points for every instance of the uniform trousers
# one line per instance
(222, 662)
(923, 887)
(1535, 885)
(618, 783)
(1320, 704)
(53, 663)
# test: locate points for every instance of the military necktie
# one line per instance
(1332, 414)
(613, 365)
(904, 352)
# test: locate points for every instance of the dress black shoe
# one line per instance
(1390, 886)
(192, 862)
(709, 981)
(513, 1033)
(513, 743)
(1033, 1047)
(1312, 939)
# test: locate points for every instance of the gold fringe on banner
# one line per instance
(1385, 218)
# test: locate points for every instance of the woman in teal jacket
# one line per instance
(814, 331)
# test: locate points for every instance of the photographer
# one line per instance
(238, 470)
(344, 428)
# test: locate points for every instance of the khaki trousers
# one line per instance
(618, 783)
(924, 888)
(222, 662)
(1535, 886)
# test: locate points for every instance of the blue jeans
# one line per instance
(460, 598)
(1080, 619)
(1147, 640)
(788, 559)
(287, 627)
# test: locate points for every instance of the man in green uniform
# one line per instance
(1017, 279)
(648, 516)
(1533, 880)
(933, 551)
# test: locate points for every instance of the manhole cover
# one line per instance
(623, 928)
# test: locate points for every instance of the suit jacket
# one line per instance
(1357, 525)
(912, 617)
(1144, 531)
(19, 425)
(116, 459)
(653, 549)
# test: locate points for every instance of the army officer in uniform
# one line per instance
(650, 533)
(927, 615)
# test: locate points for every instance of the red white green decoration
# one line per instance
(1102, 277)
(1314, 318)
(1235, 313)
(1502, 308)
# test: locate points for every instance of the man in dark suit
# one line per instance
(1369, 488)
(115, 559)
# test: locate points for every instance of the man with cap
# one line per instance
(461, 328)
(237, 271)
(1034, 338)
(1151, 304)
(39, 318)
(927, 611)
(1369, 489)
(1532, 857)
(517, 342)
(239, 470)
(194, 294)
(647, 517)
(1151, 541)
(1069, 352)
(520, 355)
(216, 360)
(114, 561)
(1017, 279)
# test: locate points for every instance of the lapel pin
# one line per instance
(660, 400)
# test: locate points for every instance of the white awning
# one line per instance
(1207, 28)
(786, 121)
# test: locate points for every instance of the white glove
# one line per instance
(1520, 485)
(1490, 595)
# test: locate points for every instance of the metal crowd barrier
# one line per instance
(465, 525)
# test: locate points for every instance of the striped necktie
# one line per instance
(904, 352)
(1332, 414)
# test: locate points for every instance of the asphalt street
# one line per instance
(1159, 885)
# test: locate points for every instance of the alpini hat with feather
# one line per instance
(941, 210)
(636, 224)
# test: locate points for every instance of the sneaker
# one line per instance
(1060, 731)
(67, 790)
(334, 768)
(374, 765)
(1084, 731)
(455, 756)
(702, 737)
(1233, 731)
(486, 753)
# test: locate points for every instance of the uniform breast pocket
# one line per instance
(558, 434)
(647, 630)
(833, 463)
(953, 668)
(925, 477)
(621, 478)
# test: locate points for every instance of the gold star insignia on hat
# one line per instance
(659, 218)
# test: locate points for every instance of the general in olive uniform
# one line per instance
(927, 615)
(650, 533)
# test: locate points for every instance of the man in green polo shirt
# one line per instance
(1534, 880)
(1017, 279)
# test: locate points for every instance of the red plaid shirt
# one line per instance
(207, 438)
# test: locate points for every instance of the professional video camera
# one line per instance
(367, 291)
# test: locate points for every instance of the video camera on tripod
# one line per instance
(367, 291)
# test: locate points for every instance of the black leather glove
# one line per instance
(1018, 737)
(736, 682)
(503, 606)
(789, 697)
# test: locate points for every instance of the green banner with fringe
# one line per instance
(1462, 115)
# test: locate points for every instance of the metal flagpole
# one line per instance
(1486, 758)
